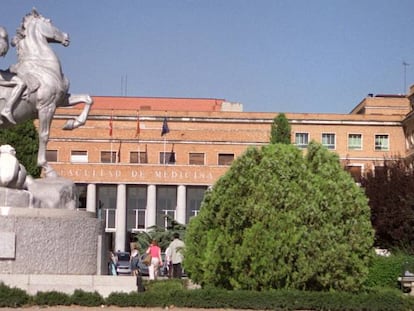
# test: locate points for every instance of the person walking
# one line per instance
(175, 250)
(134, 262)
(156, 261)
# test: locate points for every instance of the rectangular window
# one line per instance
(82, 191)
(78, 156)
(166, 203)
(106, 205)
(196, 158)
(138, 157)
(195, 195)
(51, 155)
(382, 142)
(108, 156)
(136, 207)
(302, 140)
(354, 141)
(167, 157)
(328, 140)
(225, 158)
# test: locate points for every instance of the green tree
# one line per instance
(279, 219)
(161, 235)
(391, 197)
(280, 130)
(24, 138)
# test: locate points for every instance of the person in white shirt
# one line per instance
(175, 253)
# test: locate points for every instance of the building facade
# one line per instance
(138, 160)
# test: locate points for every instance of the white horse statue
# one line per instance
(35, 86)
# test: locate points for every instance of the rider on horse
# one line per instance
(7, 79)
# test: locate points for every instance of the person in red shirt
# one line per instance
(156, 260)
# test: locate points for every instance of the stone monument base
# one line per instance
(51, 241)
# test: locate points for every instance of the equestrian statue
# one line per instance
(35, 86)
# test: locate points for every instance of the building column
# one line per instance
(181, 204)
(120, 218)
(151, 211)
(91, 198)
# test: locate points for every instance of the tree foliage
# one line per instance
(280, 130)
(391, 197)
(161, 235)
(278, 219)
(24, 138)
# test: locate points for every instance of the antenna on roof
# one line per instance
(124, 85)
(405, 64)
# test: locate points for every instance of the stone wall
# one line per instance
(103, 284)
(51, 241)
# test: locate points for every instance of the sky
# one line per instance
(315, 56)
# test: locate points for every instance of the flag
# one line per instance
(165, 128)
(110, 124)
(138, 129)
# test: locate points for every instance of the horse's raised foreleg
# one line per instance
(45, 119)
(81, 119)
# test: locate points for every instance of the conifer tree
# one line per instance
(280, 130)
(279, 219)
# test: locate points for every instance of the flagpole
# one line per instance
(110, 131)
(164, 131)
(164, 149)
(137, 132)
(111, 150)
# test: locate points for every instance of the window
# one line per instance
(225, 158)
(82, 191)
(78, 156)
(108, 156)
(166, 203)
(167, 157)
(354, 141)
(51, 155)
(381, 142)
(195, 195)
(106, 205)
(302, 140)
(196, 158)
(138, 157)
(136, 207)
(328, 140)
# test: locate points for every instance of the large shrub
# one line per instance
(391, 197)
(279, 219)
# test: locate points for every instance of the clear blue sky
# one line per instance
(269, 55)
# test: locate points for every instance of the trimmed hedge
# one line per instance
(12, 297)
(82, 298)
(52, 298)
(173, 293)
(384, 271)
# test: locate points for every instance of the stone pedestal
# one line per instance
(51, 241)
